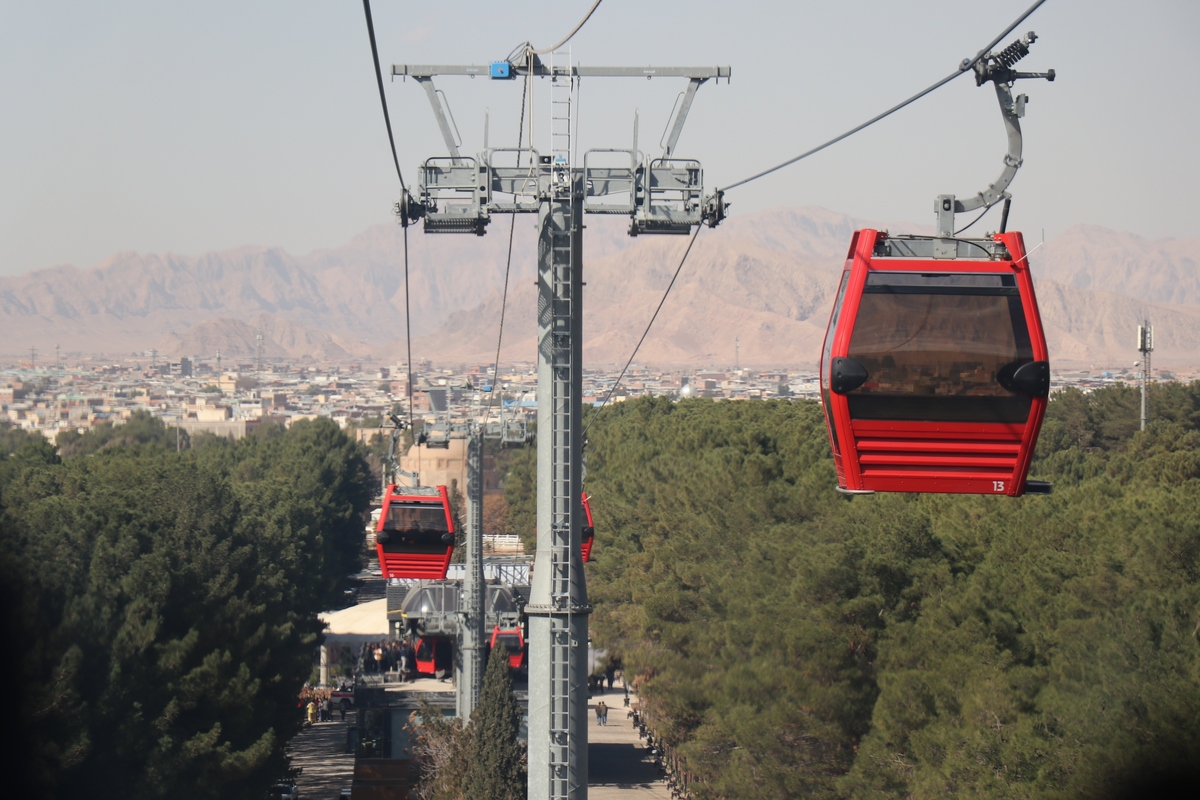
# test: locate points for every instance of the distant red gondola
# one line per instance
(589, 530)
(512, 643)
(434, 656)
(934, 372)
(415, 535)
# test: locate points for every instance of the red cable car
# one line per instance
(934, 372)
(415, 535)
(589, 530)
(513, 642)
(434, 654)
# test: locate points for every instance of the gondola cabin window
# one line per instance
(416, 517)
(940, 346)
(510, 642)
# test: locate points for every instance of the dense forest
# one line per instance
(160, 606)
(789, 641)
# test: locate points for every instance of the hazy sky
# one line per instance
(196, 125)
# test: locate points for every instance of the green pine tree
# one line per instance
(497, 766)
(161, 607)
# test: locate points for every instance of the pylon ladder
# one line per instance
(563, 774)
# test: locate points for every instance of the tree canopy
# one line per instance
(163, 605)
(789, 641)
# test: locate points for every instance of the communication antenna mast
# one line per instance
(218, 363)
(1145, 345)
(259, 350)
(737, 354)
(32, 358)
(460, 194)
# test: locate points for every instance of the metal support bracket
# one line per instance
(716, 208)
(439, 112)
(681, 116)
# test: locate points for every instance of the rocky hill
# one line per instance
(763, 278)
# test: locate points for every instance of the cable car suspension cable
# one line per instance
(529, 48)
(408, 338)
(387, 119)
(966, 66)
(653, 317)
(383, 99)
(508, 263)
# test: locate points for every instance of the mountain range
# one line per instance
(757, 288)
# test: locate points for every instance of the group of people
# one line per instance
(389, 656)
(611, 673)
(317, 705)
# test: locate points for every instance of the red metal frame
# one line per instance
(402, 564)
(515, 660)
(909, 456)
(586, 542)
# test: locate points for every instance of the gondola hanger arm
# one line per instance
(995, 68)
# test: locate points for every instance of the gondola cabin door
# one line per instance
(934, 371)
(415, 535)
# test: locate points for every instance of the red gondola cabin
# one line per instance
(512, 643)
(934, 372)
(434, 656)
(589, 531)
(415, 535)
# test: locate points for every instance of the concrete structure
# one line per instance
(447, 466)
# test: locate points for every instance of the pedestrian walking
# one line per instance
(602, 713)
(312, 711)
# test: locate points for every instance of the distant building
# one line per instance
(213, 414)
(233, 382)
(447, 466)
(227, 428)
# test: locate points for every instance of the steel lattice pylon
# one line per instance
(459, 194)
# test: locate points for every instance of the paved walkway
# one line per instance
(321, 752)
(619, 765)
